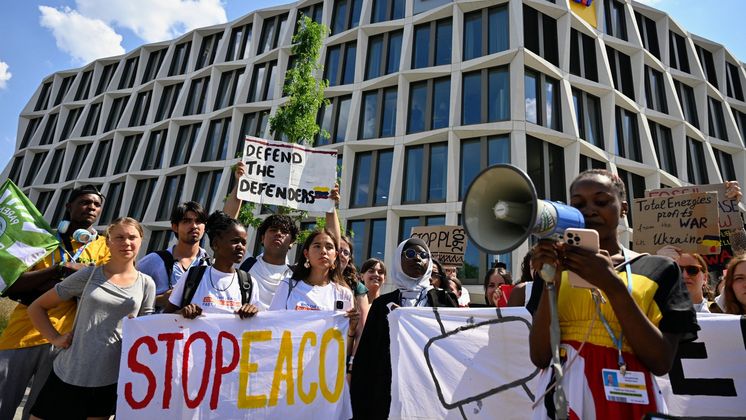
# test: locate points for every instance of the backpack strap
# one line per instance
(291, 285)
(246, 265)
(193, 278)
(246, 285)
(168, 263)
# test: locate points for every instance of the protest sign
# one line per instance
(286, 174)
(279, 364)
(688, 221)
(729, 214)
(25, 236)
(472, 363)
(447, 243)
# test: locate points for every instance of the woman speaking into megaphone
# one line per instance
(628, 328)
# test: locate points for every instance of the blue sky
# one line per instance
(40, 38)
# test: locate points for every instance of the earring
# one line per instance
(307, 264)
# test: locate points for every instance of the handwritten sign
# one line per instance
(730, 216)
(687, 221)
(290, 175)
(447, 243)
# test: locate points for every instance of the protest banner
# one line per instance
(729, 214)
(688, 221)
(286, 174)
(472, 363)
(447, 243)
(25, 237)
(279, 364)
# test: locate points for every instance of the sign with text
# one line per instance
(447, 243)
(286, 174)
(730, 215)
(688, 221)
(275, 365)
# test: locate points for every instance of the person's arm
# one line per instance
(147, 306)
(332, 221)
(363, 306)
(38, 314)
(232, 206)
(540, 348)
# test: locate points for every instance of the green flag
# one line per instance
(25, 236)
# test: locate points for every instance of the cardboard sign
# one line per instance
(286, 174)
(687, 221)
(730, 216)
(447, 243)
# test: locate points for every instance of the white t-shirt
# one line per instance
(304, 297)
(217, 292)
(267, 278)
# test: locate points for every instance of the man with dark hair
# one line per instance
(167, 266)
(24, 353)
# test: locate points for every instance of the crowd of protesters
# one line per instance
(64, 338)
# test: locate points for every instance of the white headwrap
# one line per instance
(412, 288)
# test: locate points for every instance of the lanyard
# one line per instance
(64, 253)
(617, 341)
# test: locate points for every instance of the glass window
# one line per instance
(384, 52)
(384, 10)
(546, 168)
(72, 119)
(115, 113)
(126, 153)
(616, 22)
(15, 171)
(542, 100)
(697, 168)
(90, 127)
(590, 163)
(197, 95)
(733, 79)
(346, 15)
(106, 74)
(180, 59)
(208, 49)
(100, 165)
(333, 119)
(716, 119)
(113, 202)
(273, 30)
(621, 72)
(185, 141)
(348, 71)
(438, 170)
(47, 137)
(388, 121)
(65, 87)
(655, 91)
(153, 158)
(362, 179)
(59, 211)
(627, 138)
(678, 57)
(53, 173)
(140, 199)
(43, 101)
(441, 102)
(663, 143)
(42, 202)
(218, 136)
(140, 111)
(79, 156)
(413, 174)
(171, 196)
(340, 63)
(426, 53)
(169, 97)
(583, 55)
(688, 103)
(375, 51)
(635, 188)
(425, 173)
(708, 65)
(159, 239)
(368, 239)
(262, 82)
(206, 188)
(740, 122)
(725, 164)
(155, 60)
(393, 53)
(494, 105)
(229, 82)
(407, 223)
(129, 73)
(421, 49)
(417, 107)
(33, 170)
(473, 35)
(443, 42)
(540, 34)
(33, 124)
(240, 43)
(648, 33)
(471, 102)
(588, 114)
(84, 86)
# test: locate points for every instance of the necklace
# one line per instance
(226, 287)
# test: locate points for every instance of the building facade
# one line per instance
(424, 94)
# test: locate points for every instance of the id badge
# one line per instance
(626, 388)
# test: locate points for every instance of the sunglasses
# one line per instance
(691, 270)
(411, 254)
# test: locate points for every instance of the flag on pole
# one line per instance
(25, 237)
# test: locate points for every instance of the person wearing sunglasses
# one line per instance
(371, 370)
(694, 273)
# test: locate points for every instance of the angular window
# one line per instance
(371, 178)
(218, 137)
(687, 101)
(53, 174)
(106, 74)
(126, 153)
(143, 192)
(142, 106)
(369, 238)
(33, 170)
(113, 202)
(81, 152)
(621, 72)
(587, 163)
(59, 210)
(47, 137)
(208, 49)
(543, 100)
(384, 54)
(733, 79)
(384, 10)
(273, 30)
(626, 135)
(663, 143)
(185, 141)
(155, 60)
(740, 118)
(407, 223)
(432, 44)
(42, 202)
(254, 124)
(635, 188)
(129, 73)
(708, 65)
(262, 82)
(197, 96)
(333, 119)
(340, 63)
(588, 114)
(583, 55)
(84, 86)
(696, 171)
(546, 168)
(43, 101)
(170, 196)
(655, 90)
(716, 119)
(206, 188)
(429, 103)
(649, 34)
(91, 123)
(678, 57)
(725, 164)
(540, 34)
(425, 173)
(314, 12)
(229, 82)
(15, 170)
(72, 118)
(180, 59)
(425, 5)
(346, 15)
(616, 22)
(486, 31)
(159, 239)
(378, 114)
(31, 127)
(240, 43)
(115, 113)
(64, 88)
(486, 96)
(478, 154)
(153, 158)
(100, 163)
(169, 97)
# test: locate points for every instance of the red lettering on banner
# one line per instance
(200, 335)
(138, 367)
(221, 370)
(170, 339)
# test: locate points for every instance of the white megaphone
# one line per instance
(500, 210)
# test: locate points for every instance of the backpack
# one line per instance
(194, 277)
(168, 263)
(246, 265)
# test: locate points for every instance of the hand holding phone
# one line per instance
(586, 239)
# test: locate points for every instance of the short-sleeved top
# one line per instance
(93, 358)
(300, 296)
(152, 265)
(216, 293)
(268, 278)
(20, 332)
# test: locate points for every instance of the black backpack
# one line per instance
(194, 277)
(168, 263)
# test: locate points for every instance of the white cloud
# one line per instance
(155, 20)
(84, 38)
(5, 75)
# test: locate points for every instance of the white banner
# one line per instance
(286, 174)
(468, 363)
(280, 364)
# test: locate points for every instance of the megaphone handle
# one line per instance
(547, 273)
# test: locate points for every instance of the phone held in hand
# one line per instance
(586, 239)
(505, 295)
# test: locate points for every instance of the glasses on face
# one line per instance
(691, 270)
(345, 252)
(411, 254)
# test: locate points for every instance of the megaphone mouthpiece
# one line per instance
(509, 211)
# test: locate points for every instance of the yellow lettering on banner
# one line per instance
(246, 368)
(329, 335)
(307, 398)
(283, 371)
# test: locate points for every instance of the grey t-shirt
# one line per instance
(93, 358)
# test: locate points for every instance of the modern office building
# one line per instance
(424, 94)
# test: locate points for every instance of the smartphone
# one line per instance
(586, 239)
(506, 289)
